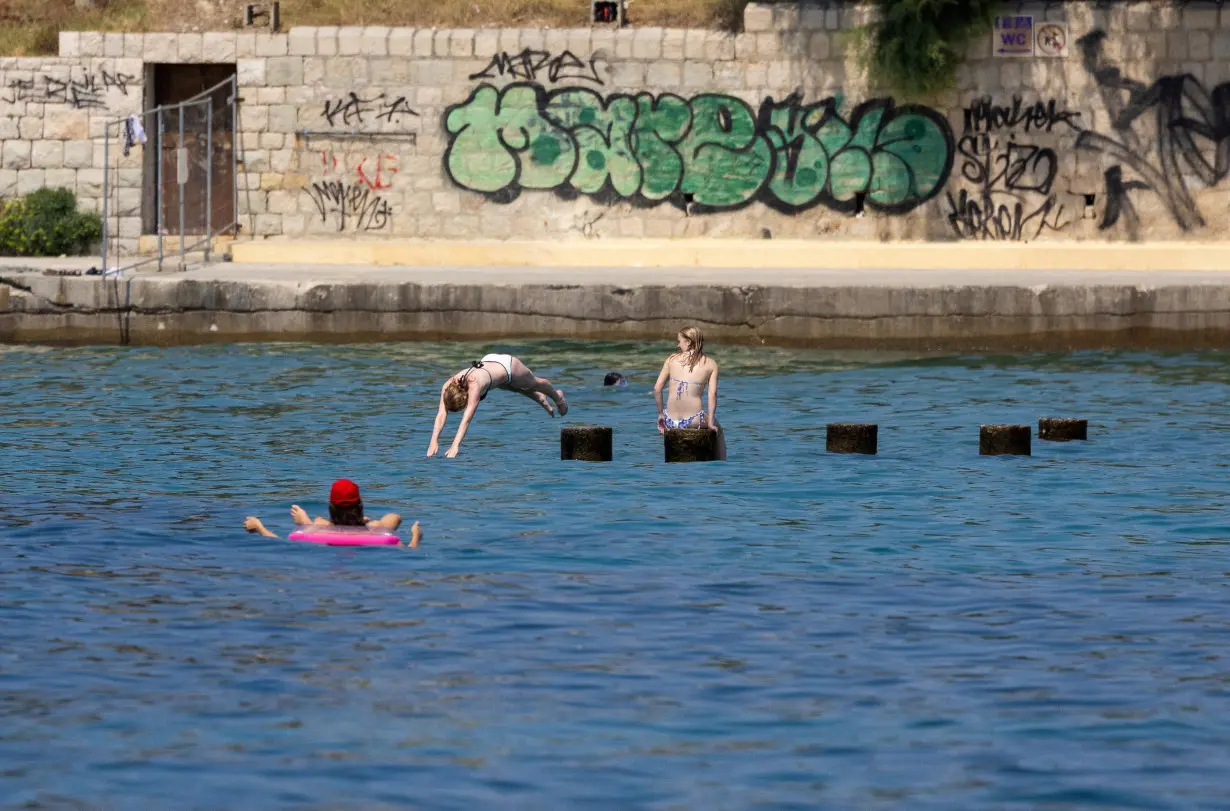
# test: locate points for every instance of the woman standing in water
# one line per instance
(689, 372)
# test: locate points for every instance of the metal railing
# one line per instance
(191, 126)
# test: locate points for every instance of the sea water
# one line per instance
(922, 629)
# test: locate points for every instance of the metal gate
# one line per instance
(192, 140)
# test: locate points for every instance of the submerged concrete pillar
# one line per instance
(690, 445)
(1004, 440)
(1062, 429)
(588, 443)
(851, 437)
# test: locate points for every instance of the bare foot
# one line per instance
(542, 400)
(562, 402)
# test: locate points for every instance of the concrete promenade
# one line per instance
(901, 308)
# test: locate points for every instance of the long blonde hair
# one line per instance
(696, 349)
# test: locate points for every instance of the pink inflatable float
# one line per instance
(345, 536)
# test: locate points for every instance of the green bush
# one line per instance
(916, 45)
(47, 223)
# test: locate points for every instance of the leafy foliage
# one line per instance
(47, 223)
(916, 45)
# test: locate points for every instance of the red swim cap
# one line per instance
(345, 493)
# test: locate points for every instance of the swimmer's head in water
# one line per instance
(614, 379)
(456, 394)
(345, 504)
(692, 343)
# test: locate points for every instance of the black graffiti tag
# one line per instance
(986, 116)
(351, 109)
(1190, 137)
(354, 205)
(1001, 217)
(530, 64)
(1013, 167)
(83, 92)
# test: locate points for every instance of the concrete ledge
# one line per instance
(738, 253)
(822, 309)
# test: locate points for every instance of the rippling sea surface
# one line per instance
(922, 629)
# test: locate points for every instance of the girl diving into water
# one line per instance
(466, 389)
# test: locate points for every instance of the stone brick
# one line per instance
(283, 118)
(272, 141)
(15, 155)
(271, 95)
(401, 42)
(461, 43)
(66, 124)
(47, 154)
(647, 44)
(78, 154)
(301, 42)
(90, 182)
(768, 46)
(90, 43)
(446, 202)
(134, 46)
(697, 75)
(728, 74)
(1141, 16)
(282, 160)
(757, 17)
(128, 202)
(191, 47)
(218, 46)
(556, 40)
(745, 46)
(8, 128)
(437, 72)
(8, 182)
(719, 46)
(1200, 16)
(812, 18)
(665, 75)
(281, 201)
(509, 40)
(780, 76)
(756, 76)
(284, 71)
(376, 40)
(1221, 46)
(70, 43)
(268, 225)
(694, 44)
(423, 42)
(389, 72)
(349, 40)
(161, 47)
(272, 45)
(624, 40)
(313, 73)
(30, 127)
(113, 45)
(1199, 45)
(326, 40)
(30, 180)
(250, 72)
(628, 76)
(245, 45)
(1010, 75)
(673, 41)
(440, 42)
(580, 42)
(818, 46)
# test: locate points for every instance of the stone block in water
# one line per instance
(1004, 440)
(588, 443)
(851, 437)
(690, 445)
(1062, 429)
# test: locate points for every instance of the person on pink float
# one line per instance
(689, 371)
(466, 389)
(345, 510)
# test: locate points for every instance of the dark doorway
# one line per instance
(208, 142)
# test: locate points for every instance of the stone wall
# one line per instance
(545, 134)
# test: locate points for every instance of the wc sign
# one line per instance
(1013, 36)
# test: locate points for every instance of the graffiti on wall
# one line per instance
(534, 66)
(711, 152)
(1008, 179)
(81, 92)
(352, 109)
(376, 171)
(350, 206)
(1166, 135)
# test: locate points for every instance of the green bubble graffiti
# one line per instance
(712, 151)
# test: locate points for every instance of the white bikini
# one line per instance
(502, 360)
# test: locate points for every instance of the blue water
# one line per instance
(923, 629)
